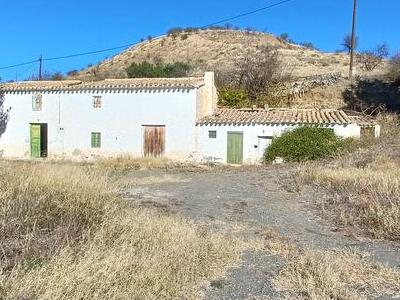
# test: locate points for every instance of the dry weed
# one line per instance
(45, 206)
(66, 235)
(365, 184)
(329, 274)
(136, 255)
(336, 274)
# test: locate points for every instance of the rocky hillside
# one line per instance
(219, 50)
(216, 50)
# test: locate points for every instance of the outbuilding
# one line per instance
(237, 136)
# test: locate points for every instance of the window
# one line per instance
(97, 101)
(96, 139)
(37, 102)
(212, 134)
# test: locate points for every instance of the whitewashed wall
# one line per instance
(209, 149)
(71, 118)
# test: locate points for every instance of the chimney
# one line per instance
(207, 97)
(209, 80)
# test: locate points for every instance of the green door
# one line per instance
(235, 148)
(35, 140)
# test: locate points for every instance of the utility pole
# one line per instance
(353, 41)
(40, 67)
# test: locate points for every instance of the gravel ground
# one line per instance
(244, 201)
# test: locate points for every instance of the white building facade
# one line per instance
(250, 131)
(176, 118)
(80, 120)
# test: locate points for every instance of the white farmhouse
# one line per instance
(177, 118)
(85, 119)
(242, 135)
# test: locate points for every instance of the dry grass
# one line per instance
(138, 254)
(128, 162)
(124, 163)
(329, 274)
(89, 244)
(43, 207)
(336, 274)
(366, 185)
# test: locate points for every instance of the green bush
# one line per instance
(306, 143)
(159, 70)
(233, 97)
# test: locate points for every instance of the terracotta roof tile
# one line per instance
(363, 121)
(72, 85)
(282, 116)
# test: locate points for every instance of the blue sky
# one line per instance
(57, 28)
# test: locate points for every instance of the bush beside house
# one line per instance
(306, 143)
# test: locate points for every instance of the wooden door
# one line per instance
(35, 140)
(235, 148)
(154, 141)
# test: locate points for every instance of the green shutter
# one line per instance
(96, 139)
(35, 140)
(235, 148)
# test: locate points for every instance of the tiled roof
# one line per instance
(107, 84)
(277, 116)
(362, 120)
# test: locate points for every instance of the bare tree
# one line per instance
(371, 59)
(258, 70)
(394, 70)
(4, 114)
(347, 41)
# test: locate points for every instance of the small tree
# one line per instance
(72, 73)
(158, 70)
(371, 59)
(256, 72)
(347, 41)
(394, 69)
(284, 36)
(308, 45)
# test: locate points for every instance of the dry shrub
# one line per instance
(138, 254)
(370, 195)
(127, 162)
(66, 235)
(43, 207)
(336, 274)
(366, 183)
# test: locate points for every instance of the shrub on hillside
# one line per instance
(159, 70)
(395, 67)
(305, 143)
(233, 97)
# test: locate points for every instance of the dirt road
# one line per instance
(246, 201)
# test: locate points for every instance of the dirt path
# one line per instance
(246, 202)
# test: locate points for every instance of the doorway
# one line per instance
(38, 138)
(154, 141)
(235, 148)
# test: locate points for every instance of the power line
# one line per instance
(91, 52)
(133, 44)
(245, 14)
(19, 65)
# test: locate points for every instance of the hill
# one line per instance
(218, 50)
(215, 50)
